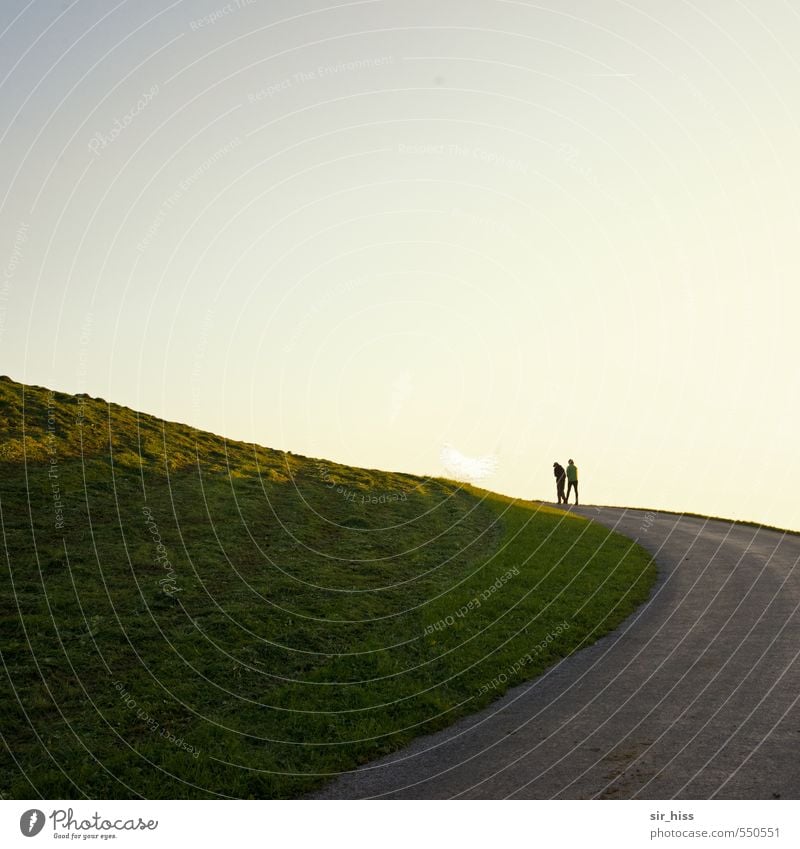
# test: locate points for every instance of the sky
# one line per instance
(391, 232)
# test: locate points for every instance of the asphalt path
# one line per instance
(695, 696)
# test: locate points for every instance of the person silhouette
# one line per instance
(561, 479)
(572, 479)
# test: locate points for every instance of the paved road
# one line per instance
(696, 696)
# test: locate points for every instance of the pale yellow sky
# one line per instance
(366, 231)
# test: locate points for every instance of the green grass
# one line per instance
(303, 617)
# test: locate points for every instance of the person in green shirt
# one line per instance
(572, 480)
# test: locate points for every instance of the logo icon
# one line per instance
(31, 822)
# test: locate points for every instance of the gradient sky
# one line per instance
(365, 230)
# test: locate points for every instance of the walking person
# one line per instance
(572, 480)
(561, 479)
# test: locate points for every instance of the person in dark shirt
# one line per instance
(561, 477)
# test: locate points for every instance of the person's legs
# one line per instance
(560, 490)
(569, 491)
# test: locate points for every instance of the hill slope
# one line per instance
(185, 616)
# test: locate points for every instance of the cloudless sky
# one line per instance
(366, 230)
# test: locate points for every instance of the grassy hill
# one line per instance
(183, 616)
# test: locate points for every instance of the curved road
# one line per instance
(697, 695)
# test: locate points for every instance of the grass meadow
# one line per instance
(183, 616)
